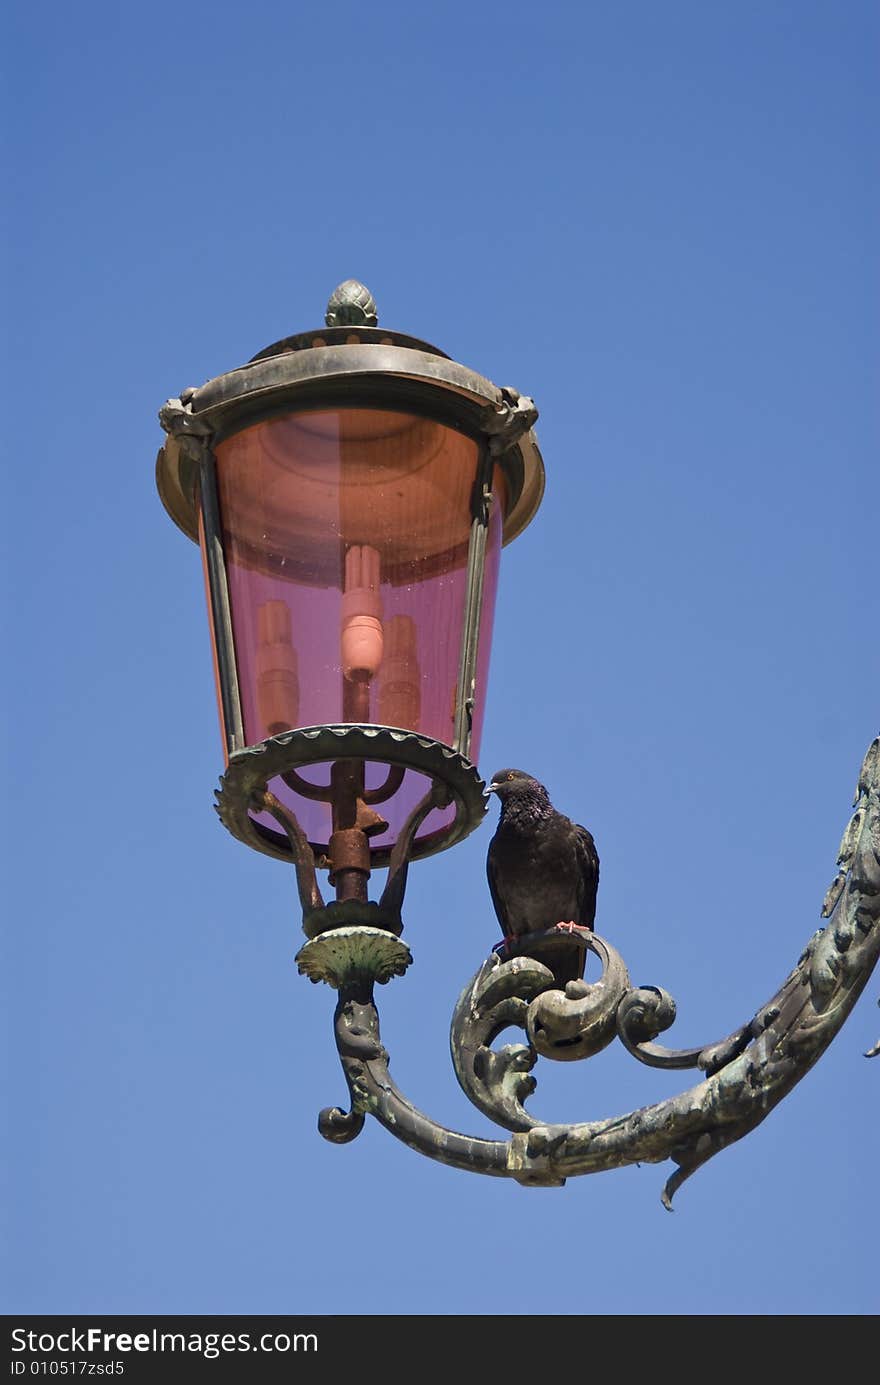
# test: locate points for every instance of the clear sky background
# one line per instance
(661, 221)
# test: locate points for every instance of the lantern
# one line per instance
(351, 489)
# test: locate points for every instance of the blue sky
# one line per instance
(659, 220)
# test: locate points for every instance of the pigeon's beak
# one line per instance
(492, 788)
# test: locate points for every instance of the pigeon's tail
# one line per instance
(562, 949)
(565, 957)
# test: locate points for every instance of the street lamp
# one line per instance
(351, 489)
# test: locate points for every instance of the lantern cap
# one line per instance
(353, 363)
(351, 319)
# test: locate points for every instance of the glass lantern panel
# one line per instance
(346, 535)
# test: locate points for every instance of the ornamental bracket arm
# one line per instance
(746, 1075)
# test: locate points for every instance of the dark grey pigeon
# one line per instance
(543, 872)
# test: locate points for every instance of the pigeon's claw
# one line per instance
(570, 927)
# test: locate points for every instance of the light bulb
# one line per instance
(361, 640)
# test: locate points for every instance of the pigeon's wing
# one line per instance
(588, 869)
(492, 876)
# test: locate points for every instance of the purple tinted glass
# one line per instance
(346, 537)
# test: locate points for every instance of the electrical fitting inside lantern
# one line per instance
(382, 799)
(277, 668)
(370, 649)
(361, 639)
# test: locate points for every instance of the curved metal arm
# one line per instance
(398, 866)
(750, 1072)
(365, 1064)
(323, 793)
(310, 896)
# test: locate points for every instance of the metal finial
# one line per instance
(351, 305)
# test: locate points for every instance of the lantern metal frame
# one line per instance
(353, 944)
(352, 366)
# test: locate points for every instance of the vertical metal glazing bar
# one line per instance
(476, 566)
(221, 615)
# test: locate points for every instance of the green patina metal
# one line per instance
(747, 1074)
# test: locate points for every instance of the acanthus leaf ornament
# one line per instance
(513, 417)
(192, 434)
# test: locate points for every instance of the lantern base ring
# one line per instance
(250, 771)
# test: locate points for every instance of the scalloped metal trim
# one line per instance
(347, 955)
(250, 770)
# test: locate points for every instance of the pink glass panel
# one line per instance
(346, 538)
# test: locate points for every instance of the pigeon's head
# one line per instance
(515, 784)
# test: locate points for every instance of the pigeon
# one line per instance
(543, 872)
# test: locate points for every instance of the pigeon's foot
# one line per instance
(562, 949)
(571, 927)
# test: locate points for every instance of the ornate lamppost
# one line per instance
(351, 489)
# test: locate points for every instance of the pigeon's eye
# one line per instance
(510, 776)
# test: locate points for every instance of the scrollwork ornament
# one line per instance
(744, 1077)
(192, 434)
(579, 1021)
(509, 421)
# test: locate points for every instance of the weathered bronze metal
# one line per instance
(379, 369)
(747, 1073)
(351, 305)
(346, 910)
(341, 956)
(249, 772)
